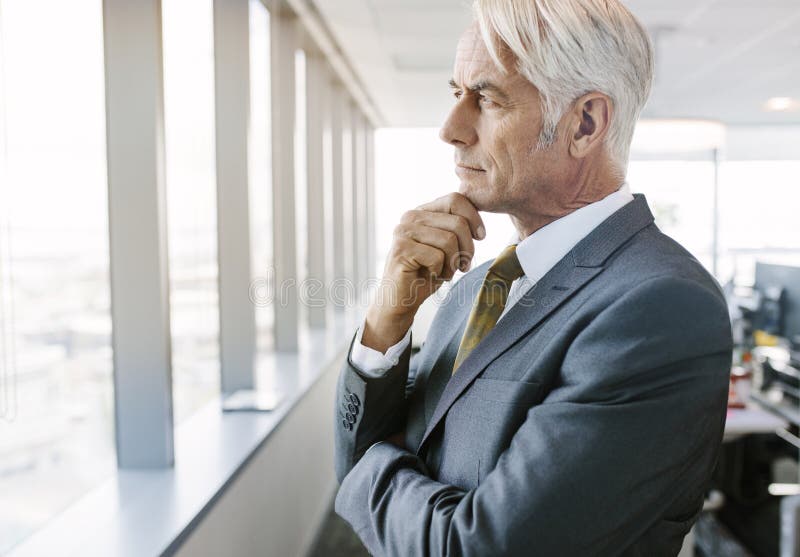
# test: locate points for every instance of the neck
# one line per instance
(527, 226)
(589, 184)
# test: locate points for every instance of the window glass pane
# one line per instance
(56, 401)
(759, 202)
(681, 196)
(260, 161)
(191, 201)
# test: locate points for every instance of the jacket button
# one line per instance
(354, 399)
(353, 408)
(350, 418)
(345, 424)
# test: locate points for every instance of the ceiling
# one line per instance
(718, 59)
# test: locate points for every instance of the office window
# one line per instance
(260, 174)
(191, 202)
(759, 203)
(56, 401)
(681, 196)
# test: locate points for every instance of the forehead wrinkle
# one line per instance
(472, 57)
(471, 72)
(474, 65)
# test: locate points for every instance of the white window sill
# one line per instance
(150, 512)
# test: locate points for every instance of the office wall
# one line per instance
(277, 503)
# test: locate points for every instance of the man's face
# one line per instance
(495, 126)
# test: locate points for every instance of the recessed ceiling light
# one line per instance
(782, 104)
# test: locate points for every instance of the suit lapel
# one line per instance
(441, 370)
(584, 262)
(539, 302)
(452, 322)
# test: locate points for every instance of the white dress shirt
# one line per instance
(538, 253)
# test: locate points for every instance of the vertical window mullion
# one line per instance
(337, 166)
(232, 102)
(355, 220)
(137, 228)
(361, 200)
(316, 92)
(285, 298)
(370, 201)
(348, 228)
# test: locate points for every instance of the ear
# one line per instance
(591, 118)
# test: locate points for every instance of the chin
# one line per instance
(483, 198)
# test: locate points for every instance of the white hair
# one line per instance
(567, 48)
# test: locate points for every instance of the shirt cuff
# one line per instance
(372, 363)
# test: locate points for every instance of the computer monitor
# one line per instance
(771, 277)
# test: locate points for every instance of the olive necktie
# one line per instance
(491, 299)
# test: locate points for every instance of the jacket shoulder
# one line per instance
(650, 254)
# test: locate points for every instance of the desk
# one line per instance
(782, 408)
(744, 421)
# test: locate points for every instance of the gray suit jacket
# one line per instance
(587, 422)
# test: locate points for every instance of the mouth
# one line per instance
(466, 169)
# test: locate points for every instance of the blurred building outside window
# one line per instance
(188, 38)
(56, 399)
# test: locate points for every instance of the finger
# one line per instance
(445, 240)
(456, 224)
(457, 204)
(414, 255)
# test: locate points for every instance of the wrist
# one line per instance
(384, 328)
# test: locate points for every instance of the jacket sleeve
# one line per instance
(368, 409)
(629, 435)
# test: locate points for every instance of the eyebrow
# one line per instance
(482, 85)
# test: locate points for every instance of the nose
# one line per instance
(459, 127)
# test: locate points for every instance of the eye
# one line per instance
(486, 101)
(457, 94)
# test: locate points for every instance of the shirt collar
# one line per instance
(539, 252)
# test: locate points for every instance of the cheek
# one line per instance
(500, 153)
(520, 164)
(497, 155)
(514, 146)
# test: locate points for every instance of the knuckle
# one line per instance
(452, 241)
(409, 216)
(402, 231)
(401, 245)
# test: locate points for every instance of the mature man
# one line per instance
(570, 397)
